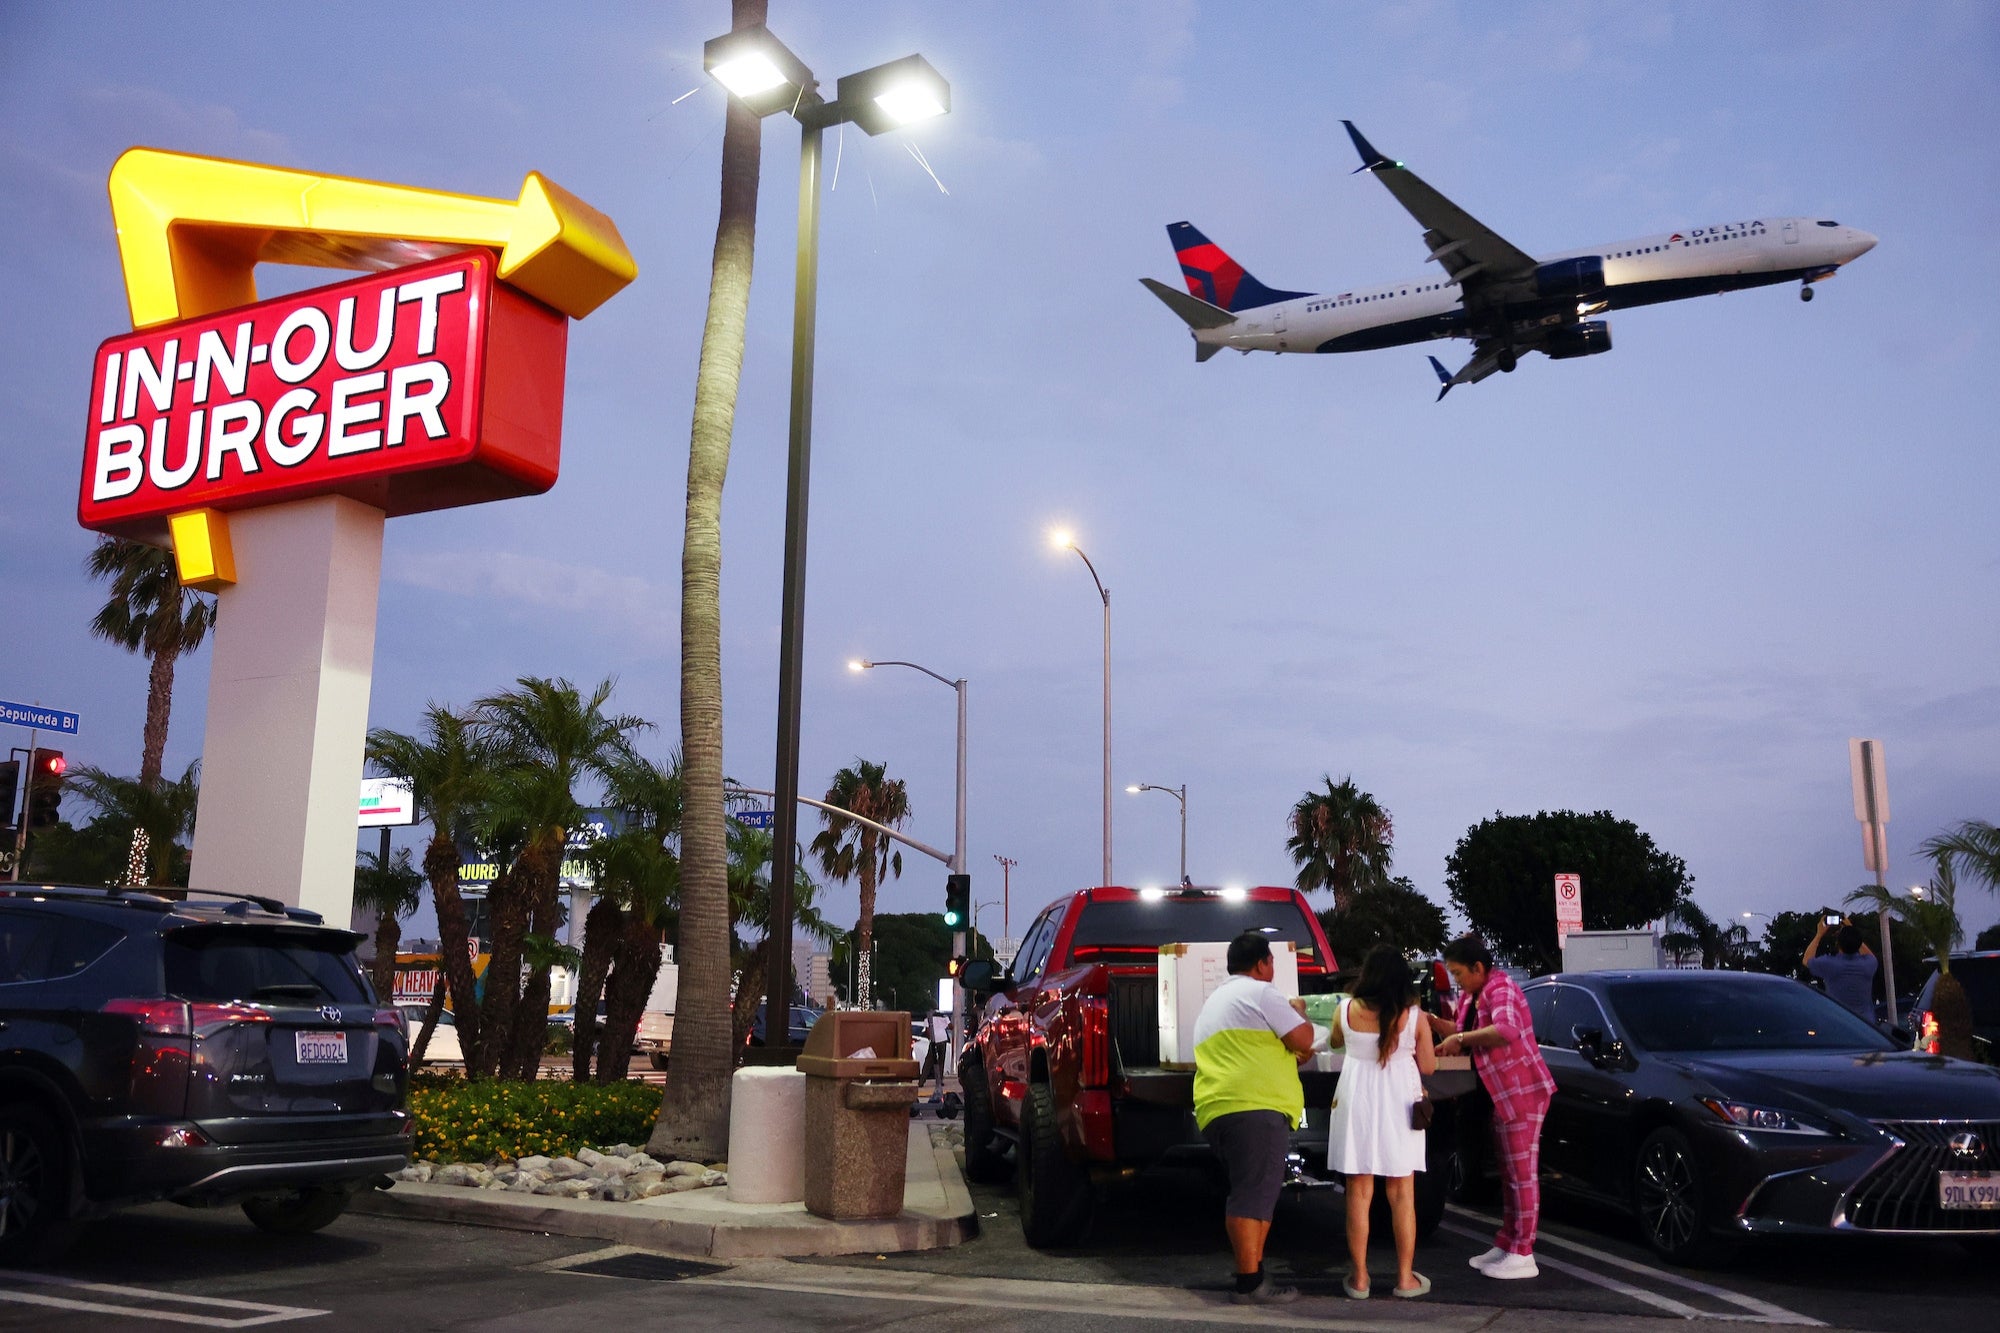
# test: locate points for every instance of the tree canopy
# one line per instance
(1502, 877)
(1395, 913)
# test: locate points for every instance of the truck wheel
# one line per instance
(984, 1163)
(1430, 1187)
(659, 1059)
(1055, 1193)
(34, 1188)
(298, 1213)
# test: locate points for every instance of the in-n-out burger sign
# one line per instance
(417, 389)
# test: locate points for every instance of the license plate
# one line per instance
(321, 1048)
(1978, 1190)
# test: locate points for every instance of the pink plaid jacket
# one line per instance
(1515, 1077)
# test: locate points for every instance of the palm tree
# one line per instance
(1933, 913)
(1697, 933)
(750, 905)
(149, 612)
(1341, 839)
(549, 738)
(391, 890)
(637, 873)
(163, 811)
(847, 850)
(1974, 844)
(448, 765)
(694, 1114)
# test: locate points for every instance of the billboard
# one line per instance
(386, 803)
(479, 867)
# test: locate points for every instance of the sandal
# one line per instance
(1423, 1288)
(1354, 1293)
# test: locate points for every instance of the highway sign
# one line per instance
(753, 818)
(38, 717)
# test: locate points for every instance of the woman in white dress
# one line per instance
(1370, 1135)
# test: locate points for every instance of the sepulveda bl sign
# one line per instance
(416, 389)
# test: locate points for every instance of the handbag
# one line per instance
(1421, 1112)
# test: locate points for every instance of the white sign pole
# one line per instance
(288, 705)
(1871, 807)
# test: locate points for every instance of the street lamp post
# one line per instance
(1064, 540)
(1179, 794)
(759, 72)
(1007, 864)
(994, 902)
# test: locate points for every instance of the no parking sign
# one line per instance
(1569, 905)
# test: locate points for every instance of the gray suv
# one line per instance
(221, 1050)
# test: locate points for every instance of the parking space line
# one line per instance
(1622, 1287)
(255, 1312)
(1761, 1309)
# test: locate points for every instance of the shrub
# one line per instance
(459, 1121)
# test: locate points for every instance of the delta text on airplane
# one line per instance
(1507, 302)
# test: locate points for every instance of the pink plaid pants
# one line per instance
(1520, 1145)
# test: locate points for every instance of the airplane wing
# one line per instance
(1480, 260)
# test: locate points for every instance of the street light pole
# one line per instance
(1179, 794)
(1007, 864)
(760, 72)
(1063, 539)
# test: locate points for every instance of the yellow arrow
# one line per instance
(191, 231)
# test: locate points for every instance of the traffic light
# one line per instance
(10, 787)
(45, 770)
(955, 966)
(957, 900)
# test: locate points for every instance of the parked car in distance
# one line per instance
(443, 1048)
(1720, 1106)
(655, 1040)
(1979, 973)
(803, 1018)
(222, 1050)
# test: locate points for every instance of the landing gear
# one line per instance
(1507, 361)
(1805, 292)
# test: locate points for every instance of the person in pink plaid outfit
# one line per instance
(1492, 1025)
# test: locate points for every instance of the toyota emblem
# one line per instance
(332, 1015)
(1967, 1146)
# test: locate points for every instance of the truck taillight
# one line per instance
(1928, 1032)
(1096, 1052)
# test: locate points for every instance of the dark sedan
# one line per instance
(1715, 1106)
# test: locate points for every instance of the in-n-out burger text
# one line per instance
(416, 389)
(224, 435)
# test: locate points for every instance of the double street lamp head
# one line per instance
(761, 73)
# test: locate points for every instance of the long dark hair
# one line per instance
(1387, 987)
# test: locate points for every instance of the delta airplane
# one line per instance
(1507, 302)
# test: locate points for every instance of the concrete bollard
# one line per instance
(767, 1130)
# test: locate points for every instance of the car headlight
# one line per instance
(1766, 1119)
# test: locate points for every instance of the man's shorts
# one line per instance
(1252, 1146)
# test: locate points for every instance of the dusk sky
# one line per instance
(1670, 581)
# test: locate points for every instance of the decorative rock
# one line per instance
(622, 1150)
(678, 1184)
(640, 1179)
(532, 1164)
(525, 1182)
(713, 1178)
(613, 1192)
(686, 1169)
(463, 1173)
(590, 1157)
(614, 1168)
(640, 1161)
(567, 1168)
(576, 1189)
(651, 1188)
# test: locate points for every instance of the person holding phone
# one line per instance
(1849, 974)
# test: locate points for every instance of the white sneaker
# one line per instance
(1480, 1261)
(1510, 1266)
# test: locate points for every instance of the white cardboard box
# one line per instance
(1189, 974)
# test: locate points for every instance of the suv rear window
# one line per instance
(1109, 929)
(261, 965)
(1981, 979)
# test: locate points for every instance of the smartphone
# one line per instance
(1834, 918)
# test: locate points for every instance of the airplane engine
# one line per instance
(1585, 339)
(1570, 277)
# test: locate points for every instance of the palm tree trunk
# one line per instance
(1953, 1008)
(422, 1043)
(454, 940)
(159, 705)
(632, 976)
(388, 935)
(694, 1115)
(600, 931)
(864, 929)
(542, 873)
(497, 1009)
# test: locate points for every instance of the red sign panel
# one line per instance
(416, 389)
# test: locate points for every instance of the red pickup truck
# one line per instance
(1064, 1062)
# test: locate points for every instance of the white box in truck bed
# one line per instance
(1189, 974)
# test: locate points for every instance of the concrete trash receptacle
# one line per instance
(767, 1136)
(860, 1085)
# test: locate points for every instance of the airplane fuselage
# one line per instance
(1670, 266)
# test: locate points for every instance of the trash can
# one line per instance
(860, 1085)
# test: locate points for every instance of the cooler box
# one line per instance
(1189, 974)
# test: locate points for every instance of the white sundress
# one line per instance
(1370, 1133)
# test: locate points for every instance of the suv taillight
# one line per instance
(1927, 1034)
(1096, 1052)
(179, 1018)
(392, 1018)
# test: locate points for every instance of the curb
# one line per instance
(937, 1214)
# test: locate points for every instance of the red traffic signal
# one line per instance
(50, 764)
(45, 770)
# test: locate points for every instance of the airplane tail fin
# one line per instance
(1212, 276)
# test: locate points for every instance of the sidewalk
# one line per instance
(937, 1212)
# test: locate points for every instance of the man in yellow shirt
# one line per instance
(1248, 1044)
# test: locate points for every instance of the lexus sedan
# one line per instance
(1717, 1106)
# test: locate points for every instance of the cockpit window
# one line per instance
(1829, 224)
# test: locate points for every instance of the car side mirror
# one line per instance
(983, 976)
(1903, 1037)
(1589, 1043)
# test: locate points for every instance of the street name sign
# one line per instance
(38, 717)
